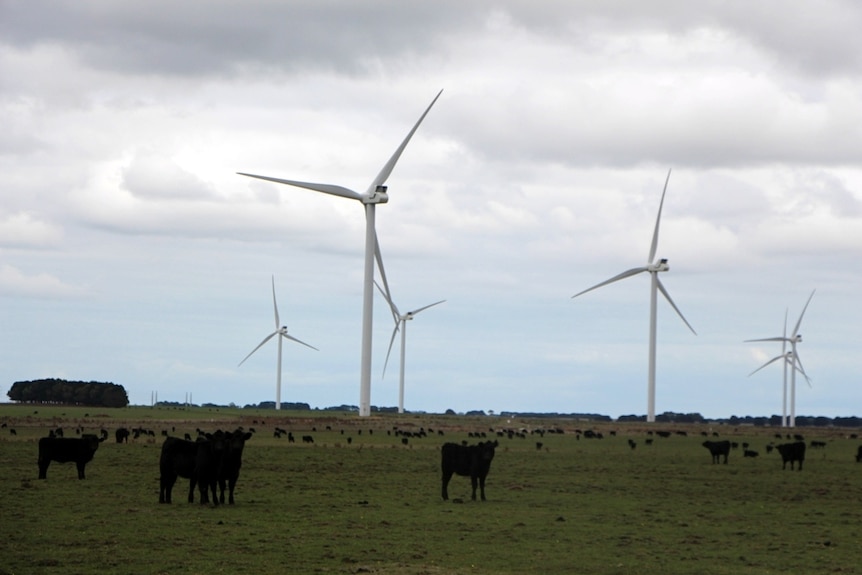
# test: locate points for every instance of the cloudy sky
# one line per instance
(132, 252)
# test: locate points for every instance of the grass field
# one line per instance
(373, 506)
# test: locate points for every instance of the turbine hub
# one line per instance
(661, 266)
(378, 196)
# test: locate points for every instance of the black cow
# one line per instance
(231, 462)
(717, 449)
(199, 461)
(65, 449)
(467, 460)
(122, 435)
(859, 454)
(791, 452)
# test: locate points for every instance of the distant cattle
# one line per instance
(750, 453)
(473, 461)
(792, 452)
(65, 449)
(198, 461)
(717, 449)
(122, 435)
(814, 444)
(231, 462)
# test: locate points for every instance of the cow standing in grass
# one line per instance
(199, 461)
(64, 449)
(717, 449)
(228, 472)
(473, 461)
(792, 452)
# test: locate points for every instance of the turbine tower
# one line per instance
(281, 331)
(791, 358)
(400, 322)
(375, 194)
(653, 266)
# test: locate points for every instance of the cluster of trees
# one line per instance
(60, 391)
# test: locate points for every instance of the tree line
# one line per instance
(60, 391)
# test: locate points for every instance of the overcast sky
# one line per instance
(132, 252)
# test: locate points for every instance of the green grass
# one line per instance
(576, 506)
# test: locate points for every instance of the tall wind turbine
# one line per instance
(375, 194)
(281, 331)
(400, 323)
(791, 359)
(653, 267)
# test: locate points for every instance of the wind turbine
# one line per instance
(792, 359)
(281, 331)
(653, 267)
(400, 322)
(375, 194)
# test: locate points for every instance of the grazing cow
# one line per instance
(750, 453)
(791, 452)
(231, 462)
(473, 461)
(65, 449)
(122, 435)
(199, 461)
(717, 449)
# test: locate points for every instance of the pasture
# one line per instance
(586, 506)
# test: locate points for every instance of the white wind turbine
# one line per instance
(791, 358)
(375, 194)
(281, 331)
(400, 323)
(653, 267)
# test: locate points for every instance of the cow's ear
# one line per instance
(247, 436)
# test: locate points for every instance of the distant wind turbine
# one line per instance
(375, 194)
(791, 359)
(281, 331)
(653, 267)
(400, 323)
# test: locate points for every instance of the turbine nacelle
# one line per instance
(661, 266)
(378, 196)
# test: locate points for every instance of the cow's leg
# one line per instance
(192, 483)
(213, 487)
(43, 468)
(725, 458)
(474, 482)
(447, 475)
(80, 469)
(166, 484)
(482, 486)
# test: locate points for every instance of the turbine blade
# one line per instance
(392, 307)
(260, 345)
(325, 188)
(670, 301)
(797, 365)
(784, 339)
(275, 305)
(291, 338)
(387, 168)
(773, 360)
(798, 323)
(415, 311)
(625, 274)
(654, 245)
(391, 341)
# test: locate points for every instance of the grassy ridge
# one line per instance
(373, 506)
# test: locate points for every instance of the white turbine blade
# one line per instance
(389, 351)
(391, 303)
(798, 323)
(387, 169)
(670, 301)
(386, 293)
(784, 339)
(767, 339)
(654, 245)
(325, 188)
(625, 274)
(291, 338)
(797, 365)
(773, 360)
(275, 305)
(415, 311)
(260, 345)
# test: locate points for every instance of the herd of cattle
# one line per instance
(212, 463)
